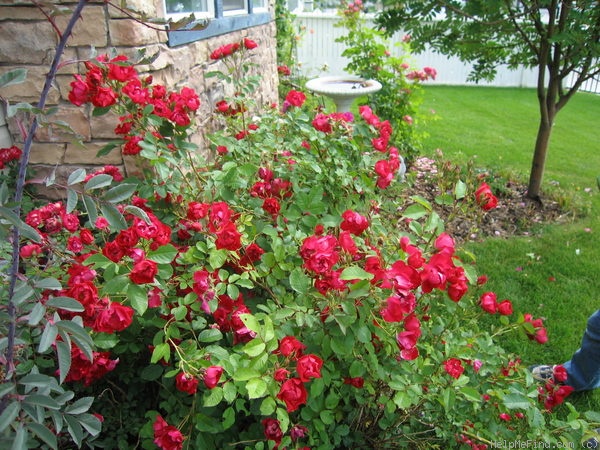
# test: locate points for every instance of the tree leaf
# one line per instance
(80, 406)
(48, 337)
(72, 199)
(44, 434)
(26, 231)
(63, 350)
(14, 76)
(66, 303)
(9, 415)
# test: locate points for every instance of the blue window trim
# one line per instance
(218, 26)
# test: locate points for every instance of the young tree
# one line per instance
(561, 38)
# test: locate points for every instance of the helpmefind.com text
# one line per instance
(531, 444)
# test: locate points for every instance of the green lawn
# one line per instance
(555, 273)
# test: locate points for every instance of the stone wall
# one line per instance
(28, 40)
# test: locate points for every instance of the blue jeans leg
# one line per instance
(584, 367)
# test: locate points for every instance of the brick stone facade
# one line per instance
(28, 40)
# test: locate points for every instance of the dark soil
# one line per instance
(515, 214)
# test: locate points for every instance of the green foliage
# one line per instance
(268, 298)
(371, 57)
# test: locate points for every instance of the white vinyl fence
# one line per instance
(320, 55)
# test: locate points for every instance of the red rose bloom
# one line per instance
(80, 91)
(293, 394)
(272, 429)
(488, 302)
(357, 382)
(485, 198)
(186, 382)
(309, 366)
(212, 376)
(229, 238)
(281, 374)
(272, 206)
(250, 44)
(114, 318)
(505, 308)
(295, 98)
(166, 436)
(354, 222)
(454, 367)
(290, 346)
(143, 272)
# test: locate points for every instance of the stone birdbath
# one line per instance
(343, 89)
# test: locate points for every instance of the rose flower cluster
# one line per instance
(108, 80)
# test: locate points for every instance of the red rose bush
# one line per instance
(266, 299)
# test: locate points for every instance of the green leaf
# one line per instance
(14, 76)
(41, 400)
(152, 372)
(161, 351)
(91, 423)
(48, 337)
(415, 212)
(210, 335)
(98, 181)
(299, 281)
(355, 273)
(36, 314)
(120, 192)
(516, 401)
(256, 387)
(90, 207)
(9, 415)
(268, 406)
(213, 397)
(251, 322)
(138, 212)
(21, 437)
(66, 303)
(163, 255)
(44, 434)
(245, 374)
(228, 418)
(254, 348)
(460, 190)
(72, 199)
(74, 429)
(63, 351)
(25, 230)
(80, 406)
(217, 258)
(471, 394)
(77, 176)
(48, 283)
(113, 215)
(138, 298)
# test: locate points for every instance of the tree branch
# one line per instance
(20, 187)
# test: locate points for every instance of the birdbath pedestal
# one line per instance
(343, 89)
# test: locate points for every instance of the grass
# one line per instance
(553, 274)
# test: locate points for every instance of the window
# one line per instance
(224, 16)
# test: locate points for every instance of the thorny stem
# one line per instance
(20, 187)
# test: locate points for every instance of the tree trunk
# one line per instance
(539, 158)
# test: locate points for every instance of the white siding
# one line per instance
(317, 49)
